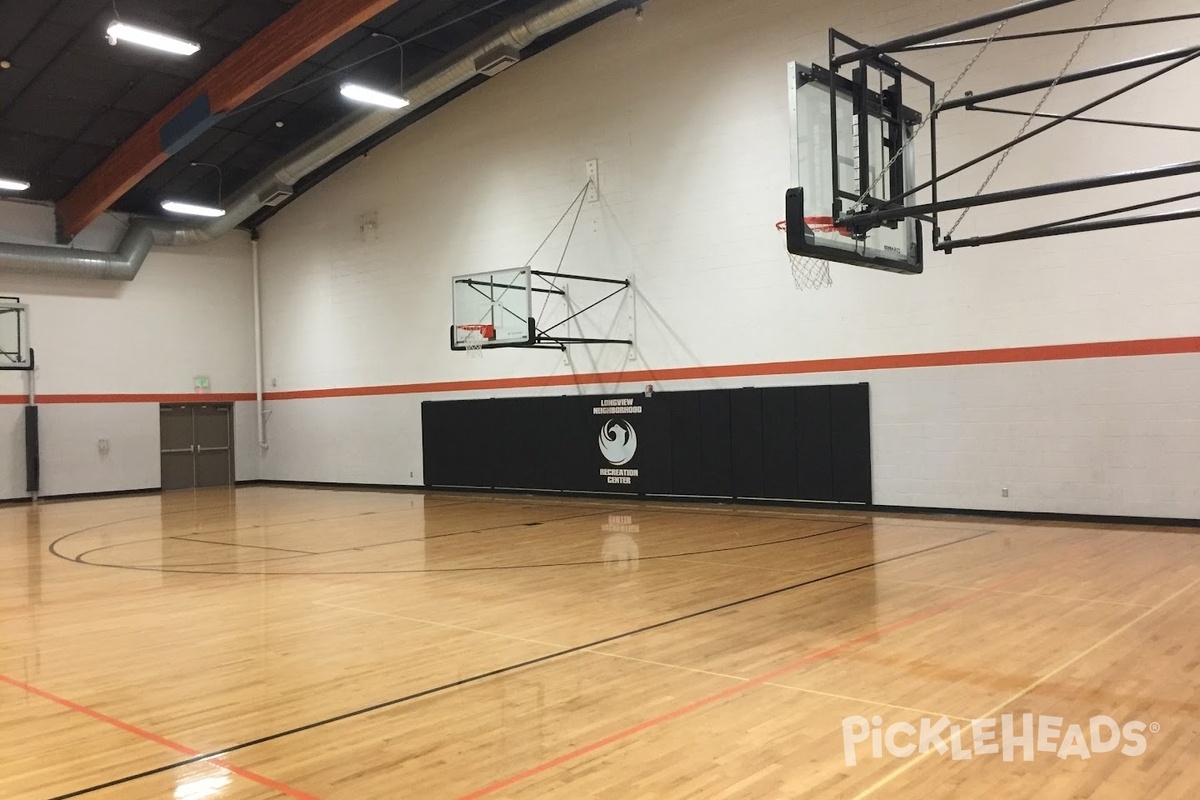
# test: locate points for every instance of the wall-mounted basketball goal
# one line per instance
(857, 197)
(15, 352)
(513, 307)
(497, 309)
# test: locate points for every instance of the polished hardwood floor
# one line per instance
(274, 642)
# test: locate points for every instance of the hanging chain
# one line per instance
(933, 112)
(1032, 115)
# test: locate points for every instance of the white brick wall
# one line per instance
(187, 313)
(686, 111)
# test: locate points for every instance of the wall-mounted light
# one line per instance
(192, 210)
(121, 32)
(364, 95)
(10, 185)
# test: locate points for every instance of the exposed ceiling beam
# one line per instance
(291, 39)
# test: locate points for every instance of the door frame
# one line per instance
(194, 449)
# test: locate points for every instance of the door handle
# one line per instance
(211, 449)
(178, 450)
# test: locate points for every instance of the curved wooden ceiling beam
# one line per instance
(291, 39)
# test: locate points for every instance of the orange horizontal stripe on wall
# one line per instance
(82, 399)
(1008, 355)
(953, 358)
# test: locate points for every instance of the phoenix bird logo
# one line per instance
(618, 442)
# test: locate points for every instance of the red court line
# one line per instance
(955, 358)
(159, 740)
(740, 688)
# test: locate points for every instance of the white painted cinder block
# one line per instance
(687, 114)
(187, 313)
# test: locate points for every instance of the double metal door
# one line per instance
(197, 445)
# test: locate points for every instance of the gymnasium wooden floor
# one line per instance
(281, 642)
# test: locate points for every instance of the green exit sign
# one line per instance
(201, 383)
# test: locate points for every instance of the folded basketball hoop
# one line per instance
(809, 272)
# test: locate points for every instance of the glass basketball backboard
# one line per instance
(872, 165)
(14, 336)
(492, 309)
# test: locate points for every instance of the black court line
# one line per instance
(232, 544)
(186, 571)
(53, 548)
(502, 670)
(81, 558)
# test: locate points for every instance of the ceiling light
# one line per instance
(192, 210)
(146, 38)
(13, 186)
(365, 95)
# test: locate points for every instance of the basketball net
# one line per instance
(473, 344)
(809, 273)
(474, 336)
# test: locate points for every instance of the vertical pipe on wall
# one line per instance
(258, 345)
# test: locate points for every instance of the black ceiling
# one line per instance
(69, 98)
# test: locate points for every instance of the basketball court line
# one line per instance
(865, 701)
(237, 544)
(162, 741)
(861, 700)
(991, 712)
(876, 579)
(733, 691)
(79, 559)
(1039, 595)
(446, 570)
(638, 504)
(509, 668)
(436, 624)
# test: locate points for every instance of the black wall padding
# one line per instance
(33, 463)
(685, 442)
(780, 455)
(746, 428)
(814, 443)
(851, 420)
(716, 447)
(805, 443)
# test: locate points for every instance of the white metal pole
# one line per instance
(258, 346)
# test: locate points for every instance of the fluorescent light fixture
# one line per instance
(13, 186)
(191, 210)
(147, 38)
(365, 95)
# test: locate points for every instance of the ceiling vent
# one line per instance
(497, 60)
(277, 198)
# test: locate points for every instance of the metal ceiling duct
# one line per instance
(280, 177)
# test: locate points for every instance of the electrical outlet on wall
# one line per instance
(103, 446)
